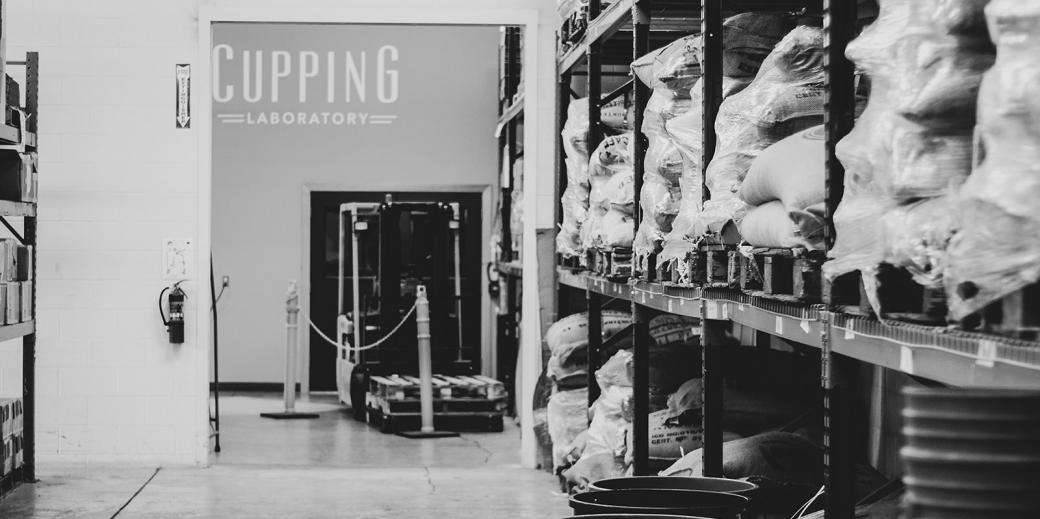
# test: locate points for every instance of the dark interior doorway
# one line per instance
(324, 263)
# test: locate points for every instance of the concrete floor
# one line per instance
(330, 467)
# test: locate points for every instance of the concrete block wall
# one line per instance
(116, 178)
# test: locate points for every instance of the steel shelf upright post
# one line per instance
(838, 377)
(711, 70)
(640, 98)
(641, 341)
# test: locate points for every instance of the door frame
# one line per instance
(487, 205)
(539, 79)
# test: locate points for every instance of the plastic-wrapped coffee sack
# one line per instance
(916, 238)
(575, 198)
(610, 422)
(785, 97)
(612, 158)
(567, 416)
(747, 38)
(670, 72)
(618, 230)
(773, 225)
(933, 73)
(687, 133)
(996, 251)
(674, 67)
(859, 233)
(791, 171)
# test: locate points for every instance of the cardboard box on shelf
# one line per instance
(14, 302)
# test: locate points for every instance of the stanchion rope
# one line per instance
(349, 348)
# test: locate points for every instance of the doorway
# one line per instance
(324, 270)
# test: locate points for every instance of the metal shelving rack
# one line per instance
(509, 134)
(939, 354)
(12, 135)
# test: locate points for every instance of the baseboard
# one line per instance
(259, 387)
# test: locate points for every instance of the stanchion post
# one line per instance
(422, 325)
(292, 329)
(292, 326)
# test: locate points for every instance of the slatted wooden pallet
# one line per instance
(613, 263)
(898, 295)
(466, 402)
(1016, 315)
(709, 266)
(783, 274)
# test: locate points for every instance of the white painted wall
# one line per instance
(441, 138)
(116, 178)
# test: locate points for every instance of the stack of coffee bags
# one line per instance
(912, 145)
(996, 251)
(575, 198)
(785, 97)
(670, 71)
(747, 40)
(611, 195)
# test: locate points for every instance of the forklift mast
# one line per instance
(414, 244)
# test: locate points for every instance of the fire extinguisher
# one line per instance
(175, 303)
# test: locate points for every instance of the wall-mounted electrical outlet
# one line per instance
(226, 281)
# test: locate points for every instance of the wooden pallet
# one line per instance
(573, 262)
(784, 274)
(1016, 315)
(899, 296)
(612, 263)
(708, 266)
(459, 422)
(468, 402)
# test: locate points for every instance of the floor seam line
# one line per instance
(139, 490)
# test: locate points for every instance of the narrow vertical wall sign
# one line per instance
(183, 96)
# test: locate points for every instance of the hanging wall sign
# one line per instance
(183, 74)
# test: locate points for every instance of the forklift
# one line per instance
(387, 251)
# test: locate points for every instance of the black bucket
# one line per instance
(971, 453)
(688, 503)
(729, 486)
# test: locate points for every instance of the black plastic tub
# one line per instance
(687, 503)
(729, 486)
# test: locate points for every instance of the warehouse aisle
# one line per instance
(330, 467)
